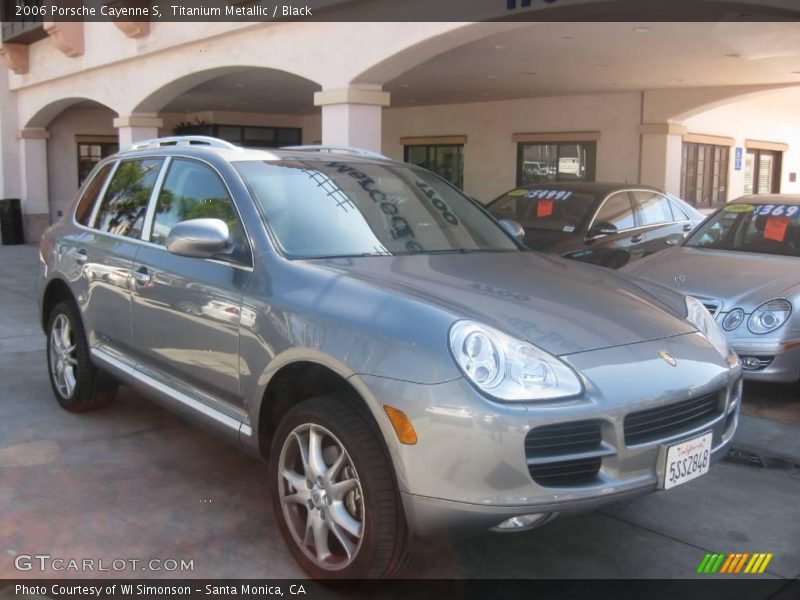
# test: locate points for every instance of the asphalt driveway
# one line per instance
(134, 482)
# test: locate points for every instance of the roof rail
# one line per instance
(340, 149)
(183, 140)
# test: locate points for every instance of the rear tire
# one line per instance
(334, 493)
(77, 384)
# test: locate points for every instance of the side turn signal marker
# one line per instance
(402, 425)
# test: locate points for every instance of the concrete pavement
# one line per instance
(135, 482)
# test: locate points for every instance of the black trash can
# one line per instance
(11, 231)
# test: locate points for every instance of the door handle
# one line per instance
(81, 256)
(671, 242)
(637, 238)
(142, 276)
(687, 227)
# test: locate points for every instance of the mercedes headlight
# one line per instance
(700, 318)
(769, 316)
(733, 319)
(509, 369)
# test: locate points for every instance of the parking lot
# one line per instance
(134, 482)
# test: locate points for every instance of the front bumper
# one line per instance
(469, 470)
(783, 366)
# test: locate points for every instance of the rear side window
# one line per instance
(654, 209)
(193, 190)
(617, 211)
(125, 203)
(83, 211)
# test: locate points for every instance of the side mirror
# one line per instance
(199, 238)
(602, 228)
(514, 229)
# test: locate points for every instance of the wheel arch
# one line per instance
(294, 377)
(57, 290)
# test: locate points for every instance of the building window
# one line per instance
(92, 152)
(248, 136)
(704, 174)
(555, 161)
(762, 171)
(446, 160)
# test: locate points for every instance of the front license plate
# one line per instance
(687, 460)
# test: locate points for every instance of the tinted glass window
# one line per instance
(567, 161)
(762, 228)
(654, 209)
(543, 208)
(678, 212)
(193, 190)
(328, 209)
(617, 211)
(84, 209)
(446, 161)
(125, 203)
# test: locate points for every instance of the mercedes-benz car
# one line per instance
(404, 365)
(606, 224)
(743, 263)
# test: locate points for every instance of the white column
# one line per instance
(352, 116)
(136, 128)
(33, 178)
(662, 147)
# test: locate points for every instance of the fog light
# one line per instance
(521, 523)
(751, 363)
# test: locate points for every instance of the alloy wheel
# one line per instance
(63, 356)
(321, 497)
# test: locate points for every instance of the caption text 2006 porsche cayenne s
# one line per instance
(404, 365)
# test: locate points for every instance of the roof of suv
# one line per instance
(233, 153)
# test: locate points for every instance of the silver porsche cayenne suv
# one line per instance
(401, 362)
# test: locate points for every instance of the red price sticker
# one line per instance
(775, 228)
(544, 208)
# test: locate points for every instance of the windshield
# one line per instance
(762, 228)
(543, 208)
(319, 209)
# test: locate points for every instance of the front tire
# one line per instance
(334, 494)
(77, 384)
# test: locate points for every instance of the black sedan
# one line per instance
(602, 223)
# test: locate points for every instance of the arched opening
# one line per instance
(249, 106)
(64, 139)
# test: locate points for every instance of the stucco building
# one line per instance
(708, 111)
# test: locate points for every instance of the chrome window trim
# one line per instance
(629, 190)
(669, 203)
(85, 188)
(100, 198)
(602, 204)
(153, 200)
(93, 219)
(151, 203)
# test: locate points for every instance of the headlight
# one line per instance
(733, 319)
(698, 316)
(507, 368)
(769, 316)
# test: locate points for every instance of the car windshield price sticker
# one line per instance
(687, 460)
(551, 194)
(775, 228)
(544, 208)
(778, 210)
(739, 208)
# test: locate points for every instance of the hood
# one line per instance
(561, 306)
(737, 279)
